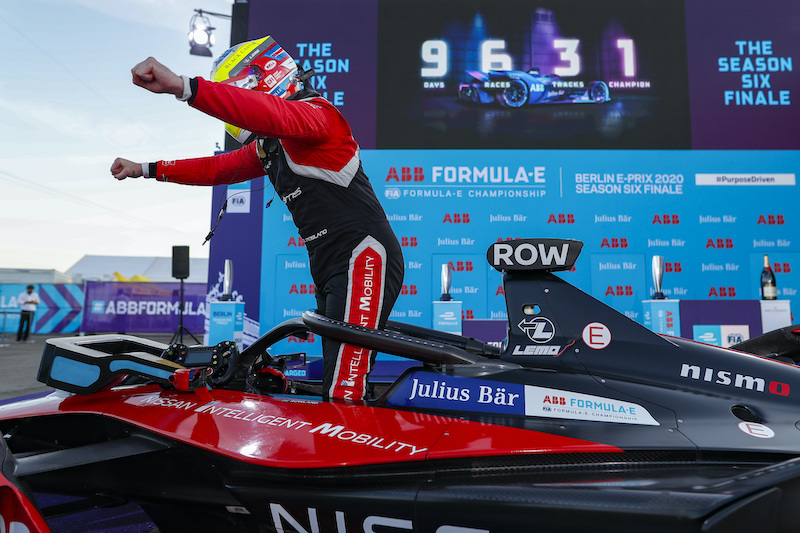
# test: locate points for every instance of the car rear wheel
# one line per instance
(515, 95)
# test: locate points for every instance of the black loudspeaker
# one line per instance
(180, 262)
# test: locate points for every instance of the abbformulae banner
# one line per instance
(143, 307)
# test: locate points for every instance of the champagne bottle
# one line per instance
(769, 291)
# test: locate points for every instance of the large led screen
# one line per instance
(522, 74)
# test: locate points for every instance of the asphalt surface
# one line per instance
(20, 362)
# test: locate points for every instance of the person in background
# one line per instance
(27, 301)
(306, 148)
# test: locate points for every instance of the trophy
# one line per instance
(658, 276)
(227, 282)
(446, 278)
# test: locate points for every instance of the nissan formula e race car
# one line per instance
(516, 88)
(583, 420)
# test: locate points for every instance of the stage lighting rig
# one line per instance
(201, 33)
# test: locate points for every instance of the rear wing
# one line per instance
(548, 255)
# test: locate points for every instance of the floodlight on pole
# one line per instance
(201, 33)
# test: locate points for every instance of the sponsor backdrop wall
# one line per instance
(694, 157)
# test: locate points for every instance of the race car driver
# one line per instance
(306, 148)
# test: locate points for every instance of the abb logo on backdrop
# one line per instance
(782, 267)
(408, 289)
(722, 292)
(408, 241)
(561, 218)
(671, 219)
(456, 218)
(302, 288)
(621, 242)
(460, 266)
(292, 338)
(673, 267)
(771, 220)
(619, 290)
(719, 244)
(296, 241)
(406, 174)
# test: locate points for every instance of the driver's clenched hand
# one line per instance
(122, 168)
(156, 78)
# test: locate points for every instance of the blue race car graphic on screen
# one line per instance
(515, 88)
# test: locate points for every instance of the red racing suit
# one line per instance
(306, 148)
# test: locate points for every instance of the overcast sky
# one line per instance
(68, 108)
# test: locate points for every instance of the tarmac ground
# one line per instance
(21, 363)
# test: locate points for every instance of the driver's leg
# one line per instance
(363, 297)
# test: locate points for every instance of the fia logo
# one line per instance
(538, 329)
(735, 338)
(392, 193)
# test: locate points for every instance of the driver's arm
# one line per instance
(222, 169)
